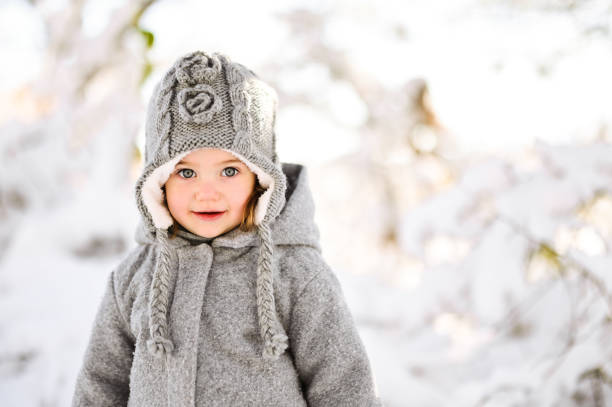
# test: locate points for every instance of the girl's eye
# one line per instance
(186, 173)
(229, 172)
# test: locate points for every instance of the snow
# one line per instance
(478, 275)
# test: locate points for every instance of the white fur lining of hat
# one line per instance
(153, 197)
(266, 181)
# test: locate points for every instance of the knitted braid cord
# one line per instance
(164, 123)
(272, 333)
(160, 344)
(241, 119)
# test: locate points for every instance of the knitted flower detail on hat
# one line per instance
(198, 104)
(196, 68)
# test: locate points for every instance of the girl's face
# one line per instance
(208, 191)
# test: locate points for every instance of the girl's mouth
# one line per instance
(209, 215)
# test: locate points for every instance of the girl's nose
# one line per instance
(206, 191)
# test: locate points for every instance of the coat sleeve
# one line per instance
(329, 355)
(104, 376)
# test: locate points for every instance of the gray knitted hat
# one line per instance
(207, 101)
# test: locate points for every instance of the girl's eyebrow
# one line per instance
(230, 161)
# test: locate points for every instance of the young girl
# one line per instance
(226, 301)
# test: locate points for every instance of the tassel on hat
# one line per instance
(272, 333)
(159, 298)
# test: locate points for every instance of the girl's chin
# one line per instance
(211, 231)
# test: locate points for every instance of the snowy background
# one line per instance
(460, 153)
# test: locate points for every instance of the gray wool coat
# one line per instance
(213, 323)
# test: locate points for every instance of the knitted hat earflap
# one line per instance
(272, 333)
(159, 298)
